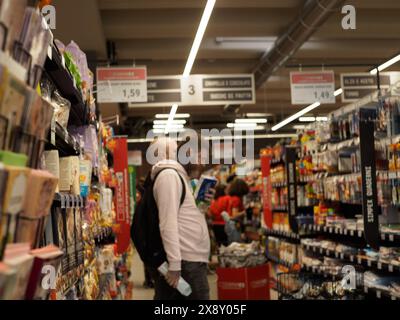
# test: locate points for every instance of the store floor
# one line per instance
(140, 293)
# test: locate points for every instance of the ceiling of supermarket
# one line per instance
(159, 34)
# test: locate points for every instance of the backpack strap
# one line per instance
(183, 195)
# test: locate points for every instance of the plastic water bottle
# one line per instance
(183, 287)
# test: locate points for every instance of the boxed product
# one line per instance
(41, 186)
(45, 259)
(52, 161)
(12, 16)
(14, 196)
(12, 108)
(85, 178)
(69, 175)
(18, 258)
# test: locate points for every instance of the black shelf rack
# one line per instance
(61, 140)
(276, 260)
(64, 82)
(353, 258)
(282, 234)
(386, 237)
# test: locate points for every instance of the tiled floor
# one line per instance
(140, 293)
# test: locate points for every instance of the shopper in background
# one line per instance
(148, 281)
(218, 205)
(183, 227)
(237, 190)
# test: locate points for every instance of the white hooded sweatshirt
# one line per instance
(183, 227)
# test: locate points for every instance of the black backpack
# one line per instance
(145, 229)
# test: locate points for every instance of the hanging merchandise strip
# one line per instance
(368, 178)
(291, 178)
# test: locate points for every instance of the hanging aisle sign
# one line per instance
(121, 84)
(311, 86)
(198, 90)
(358, 85)
(368, 180)
(291, 180)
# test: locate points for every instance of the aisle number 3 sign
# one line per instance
(122, 84)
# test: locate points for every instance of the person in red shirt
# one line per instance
(237, 190)
(218, 205)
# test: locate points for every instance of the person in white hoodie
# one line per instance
(183, 227)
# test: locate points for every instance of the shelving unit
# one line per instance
(63, 80)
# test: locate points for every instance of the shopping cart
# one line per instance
(309, 286)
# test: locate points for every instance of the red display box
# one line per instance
(243, 283)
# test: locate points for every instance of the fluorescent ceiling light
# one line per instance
(257, 115)
(385, 65)
(172, 122)
(251, 120)
(299, 127)
(258, 136)
(321, 119)
(172, 126)
(303, 112)
(171, 116)
(241, 125)
(245, 39)
(177, 116)
(199, 36)
(171, 130)
(296, 115)
(338, 92)
(256, 128)
(193, 51)
(307, 119)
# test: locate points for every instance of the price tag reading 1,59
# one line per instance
(131, 93)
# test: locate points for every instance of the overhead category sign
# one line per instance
(198, 90)
(121, 84)
(311, 86)
(358, 85)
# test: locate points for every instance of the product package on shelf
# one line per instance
(45, 259)
(17, 257)
(11, 19)
(32, 47)
(36, 209)
(69, 175)
(13, 200)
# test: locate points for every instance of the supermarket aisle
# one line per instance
(140, 293)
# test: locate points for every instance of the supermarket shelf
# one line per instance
(319, 270)
(275, 162)
(333, 230)
(74, 201)
(279, 185)
(282, 234)
(279, 261)
(385, 236)
(61, 140)
(280, 209)
(64, 82)
(380, 294)
(376, 265)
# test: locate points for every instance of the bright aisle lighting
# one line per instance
(177, 116)
(171, 116)
(165, 122)
(302, 112)
(385, 65)
(251, 120)
(195, 48)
